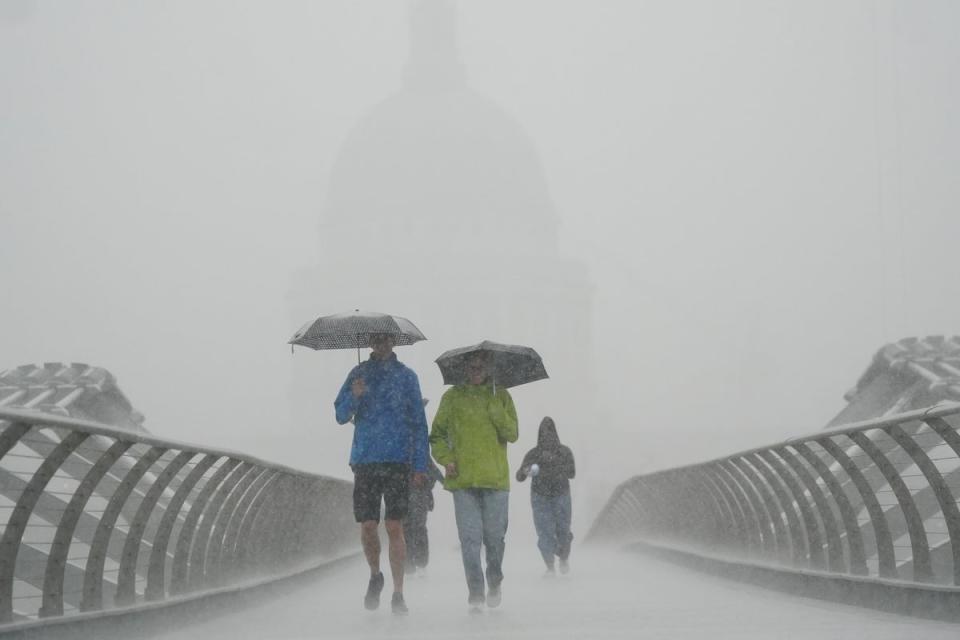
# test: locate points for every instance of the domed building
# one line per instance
(438, 210)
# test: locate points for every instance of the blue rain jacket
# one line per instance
(390, 424)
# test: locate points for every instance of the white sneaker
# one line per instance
(494, 596)
(475, 605)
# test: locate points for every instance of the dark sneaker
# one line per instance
(397, 605)
(493, 597)
(372, 600)
(564, 566)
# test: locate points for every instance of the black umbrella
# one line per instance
(352, 330)
(510, 364)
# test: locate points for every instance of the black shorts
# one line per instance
(376, 481)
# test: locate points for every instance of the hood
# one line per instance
(547, 438)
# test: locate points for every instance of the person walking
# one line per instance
(381, 396)
(551, 466)
(415, 523)
(469, 437)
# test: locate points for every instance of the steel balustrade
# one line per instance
(875, 499)
(97, 517)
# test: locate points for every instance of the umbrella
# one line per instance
(352, 330)
(510, 364)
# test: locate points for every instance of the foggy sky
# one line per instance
(764, 194)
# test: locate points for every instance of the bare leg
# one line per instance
(398, 552)
(370, 539)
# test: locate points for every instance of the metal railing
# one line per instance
(97, 517)
(876, 499)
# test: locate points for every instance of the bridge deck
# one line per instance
(607, 595)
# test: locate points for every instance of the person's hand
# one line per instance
(358, 388)
(451, 469)
(419, 479)
(534, 469)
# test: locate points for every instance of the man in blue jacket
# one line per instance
(390, 450)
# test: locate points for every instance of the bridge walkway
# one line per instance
(609, 595)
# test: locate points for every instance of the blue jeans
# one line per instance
(551, 517)
(481, 518)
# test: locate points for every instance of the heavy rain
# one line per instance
(722, 226)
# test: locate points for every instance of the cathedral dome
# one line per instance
(437, 164)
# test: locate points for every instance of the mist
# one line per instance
(753, 198)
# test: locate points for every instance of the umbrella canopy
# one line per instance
(352, 330)
(510, 364)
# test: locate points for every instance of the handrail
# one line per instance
(875, 499)
(936, 411)
(100, 511)
(42, 419)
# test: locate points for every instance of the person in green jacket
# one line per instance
(469, 437)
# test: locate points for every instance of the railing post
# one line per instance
(738, 524)
(13, 534)
(181, 558)
(948, 504)
(922, 570)
(57, 561)
(762, 531)
(781, 541)
(887, 565)
(810, 525)
(126, 579)
(93, 576)
(211, 569)
(728, 520)
(158, 555)
(246, 559)
(798, 541)
(201, 541)
(858, 560)
(241, 516)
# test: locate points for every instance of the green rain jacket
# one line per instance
(472, 428)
